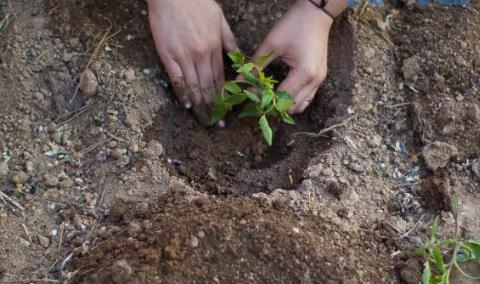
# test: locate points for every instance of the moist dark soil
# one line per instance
(234, 160)
(173, 242)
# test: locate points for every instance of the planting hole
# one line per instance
(236, 160)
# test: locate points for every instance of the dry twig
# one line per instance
(93, 147)
(11, 200)
(10, 7)
(326, 130)
(404, 235)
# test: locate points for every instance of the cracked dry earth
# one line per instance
(115, 183)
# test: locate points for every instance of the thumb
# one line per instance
(228, 39)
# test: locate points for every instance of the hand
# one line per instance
(189, 37)
(300, 39)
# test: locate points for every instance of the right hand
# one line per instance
(189, 37)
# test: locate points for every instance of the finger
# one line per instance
(178, 82)
(228, 38)
(205, 78)
(193, 91)
(305, 98)
(218, 77)
(293, 84)
(217, 69)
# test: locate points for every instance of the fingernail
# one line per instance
(188, 105)
(221, 123)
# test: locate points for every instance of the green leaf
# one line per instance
(232, 87)
(266, 130)
(454, 201)
(438, 259)
(475, 246)
(237, 57)
(249, 110)
(287, 118)
(251, 78)
(464, 256)
(246, 68)
(251, 96)
(267, 97)
(284, 101)
(262, 60)
(218, 112)
(234, 100)
(433, 235)
(427, 273)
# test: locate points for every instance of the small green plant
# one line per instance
(256, 92)
(438, 265)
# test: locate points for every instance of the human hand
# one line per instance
(189, 37)
(300, 39)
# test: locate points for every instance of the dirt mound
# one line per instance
(440, 63)
(233, 240)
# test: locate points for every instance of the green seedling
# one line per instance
(256, 92)
(443, 255)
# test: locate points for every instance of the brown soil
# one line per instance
(124, 186)
(233, 240)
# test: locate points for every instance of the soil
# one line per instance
(106, 179)
(232, 240)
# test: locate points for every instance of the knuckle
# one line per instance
(323, 75)
(201, 50)
(177, 81)
(310, 72)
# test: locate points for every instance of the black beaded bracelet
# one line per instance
(321, 6)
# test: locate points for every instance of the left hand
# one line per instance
(300, 39)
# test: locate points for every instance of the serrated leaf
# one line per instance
(246, 68)
(438, 259)
(237, 57)
(287, 118)
(267, 97)
(251, 96)
(232, 87)
(284, 101)
(249, 110)
(426, 274)
(266, 130)
(237, 99)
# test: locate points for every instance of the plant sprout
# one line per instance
(256, 92)
(436, 269)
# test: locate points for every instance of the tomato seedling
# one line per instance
(438, 266)
(256, 92)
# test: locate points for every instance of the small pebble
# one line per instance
(201, 234)
(43, 241)
(88, 83)
(50, 180)
(4, 170)
(195, 241)
(19, 177)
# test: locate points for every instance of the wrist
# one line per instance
(332, 8)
